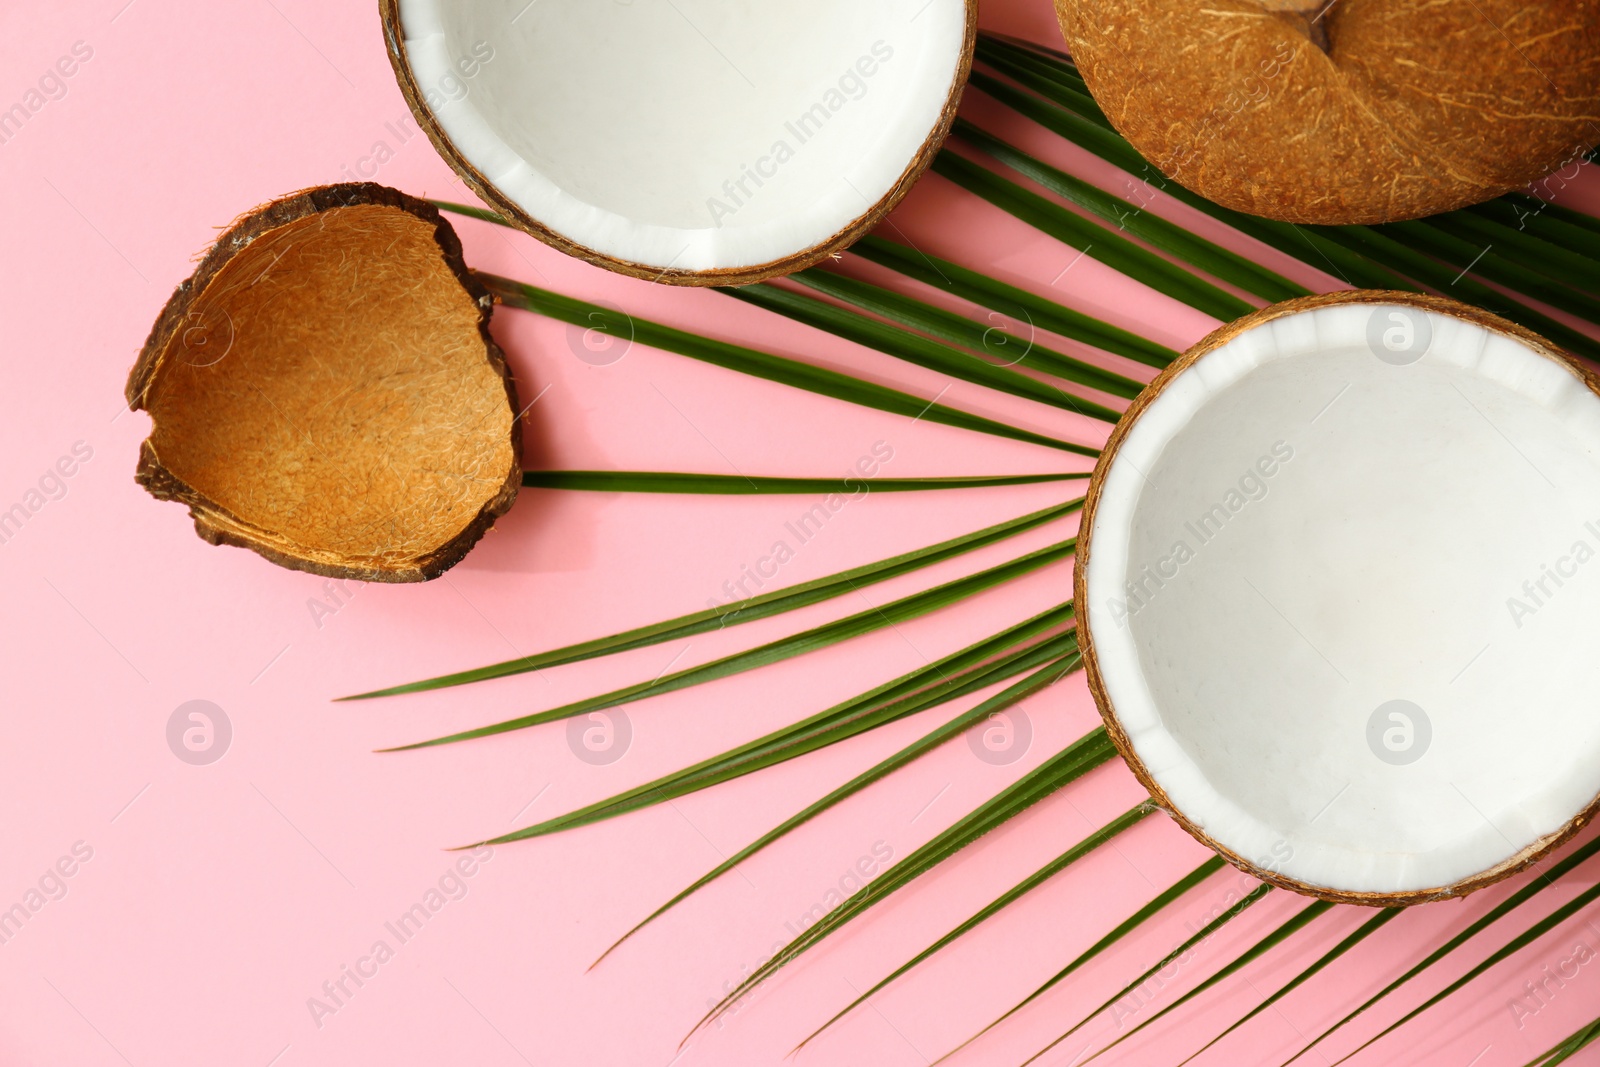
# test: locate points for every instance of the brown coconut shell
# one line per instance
(1362, 111)
(1525, 858)
(324, 390)
(860, 227)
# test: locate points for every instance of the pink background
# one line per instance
(219, 898)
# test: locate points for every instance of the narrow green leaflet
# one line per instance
(1162, 900)
(818, 637)
(1582, 1038)
(1011, 349)
(760, 606)
(1360, 934)
(1011, 695)
(1123, 822)
(1091, 239)
(1015, 58)
(1070, 764)
(1011, 301)
(1567, 265)
(1282, 933)
(912, 347)
(754, 484)
(755, 363)
(1456, 283)
(1007, 654)
(1543, 881)
(1196, 251)
(1521, 941)
(1201, 935)
(1527, 215)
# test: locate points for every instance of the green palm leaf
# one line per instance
(1360, 934)
(1011, 301)
(1013, 694)
(760, 606)
(1301, 919)
(978, 666)
(1201, 935)
(1162, 900)
(1111, 829)
(1582, 1038)
(1282, 933)
(1092, 240)
(1199, 253)
(1009, 348)
(812, 640)
(1070, 764)
(911, 347)
(755, 363)
(755, 485)
(1522, 940)
(1500, 911)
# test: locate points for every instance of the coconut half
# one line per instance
(697, 142)
(1355, 111)
(324, 390)
(1338, 592)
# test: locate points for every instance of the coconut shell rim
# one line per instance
(389, 12)
(1512, 865)
(244, 231)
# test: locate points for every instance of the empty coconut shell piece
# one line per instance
(324, 390)
(1355, 111)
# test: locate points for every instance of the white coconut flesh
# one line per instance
(1343, 589)
(688, 134)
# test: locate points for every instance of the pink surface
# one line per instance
(208, 904)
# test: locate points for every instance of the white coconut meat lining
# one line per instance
(688, 135)
(1343, 592)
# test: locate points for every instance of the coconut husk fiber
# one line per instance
(1355, 111)
(324, 390)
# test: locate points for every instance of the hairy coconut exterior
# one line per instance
(860, 227)
(1359, 111)
(374, 303)
(1108, 712)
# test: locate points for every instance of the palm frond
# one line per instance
(1295, 923)
(1010, 348)
(1164, 899)
(758, 485)
(1522, 940)
(984, 663)
(1068, 765)
(759, 606)
(1008, 697)
(757, 364)
(1092, 240)
(818, 637)
(1199, 253)
(911, 347)
(1543, 881)
(1125, 821)
(1233, 911)
(1580, 1039)
(1011, 301)
(1360, 934)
